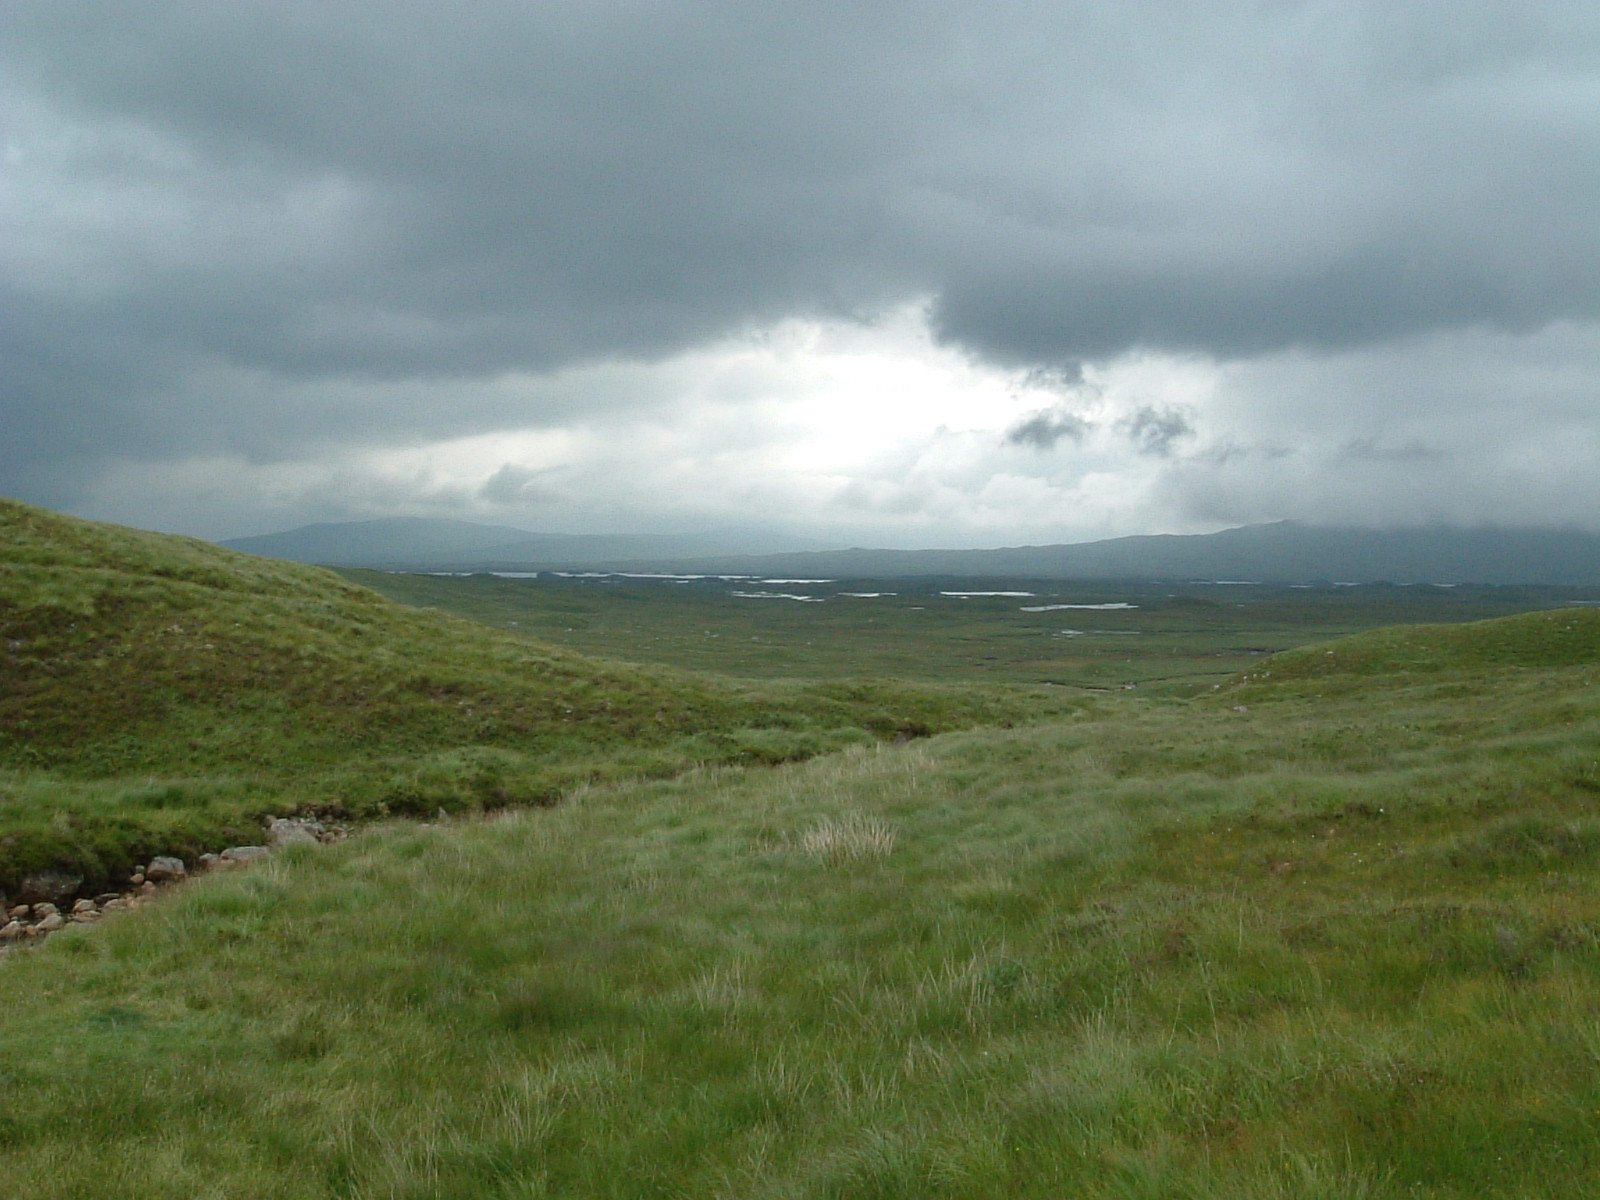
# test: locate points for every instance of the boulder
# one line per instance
(206, 861)
(18, 912)
(55, 887)
(13, 930)
(46, 909)
(165, 870)
(244, 854)
(51, 923)
(285, 831)
(105, 898)
(83, 906)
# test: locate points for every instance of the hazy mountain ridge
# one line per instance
(450, 545)
(1285, 552)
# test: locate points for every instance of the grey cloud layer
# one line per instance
(251, 227)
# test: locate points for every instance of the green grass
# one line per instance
(1329, 946)
(160, 694)
(1180, 638)
(1529, 641)
(1330, 930)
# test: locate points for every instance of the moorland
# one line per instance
(656, 890)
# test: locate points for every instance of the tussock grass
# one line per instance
(1330, 932)
(1168, 950)
(850, 838)
(1554, 639)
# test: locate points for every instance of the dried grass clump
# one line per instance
(851, 838)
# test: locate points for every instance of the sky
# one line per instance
(884, 273)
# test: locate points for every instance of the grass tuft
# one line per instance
(851, 838)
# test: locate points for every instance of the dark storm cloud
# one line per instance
(250, 227)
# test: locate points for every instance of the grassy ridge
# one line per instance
(160, 693)
(1560, 638)
(1342, 943)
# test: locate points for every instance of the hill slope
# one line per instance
(1339, 941)
(155, 687)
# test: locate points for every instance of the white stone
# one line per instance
(286, 831)
(164, 868)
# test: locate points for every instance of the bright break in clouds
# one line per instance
(908, 273)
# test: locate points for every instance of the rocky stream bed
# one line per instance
(47, 901)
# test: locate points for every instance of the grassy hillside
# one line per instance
(1529, 641)
(160, 693)
(1334, 932)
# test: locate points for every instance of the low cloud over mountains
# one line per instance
(935, 273)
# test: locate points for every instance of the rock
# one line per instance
(85, 917)
(244, 854)
(136, 878)
(163, 869)
(83, 906)
(45, 910)
(116, 903)
(51, 923)
(13, 930)
(207, 861)
(105, 898)
(56, 887)
(286, 831)
(147, 888)
(18, 912)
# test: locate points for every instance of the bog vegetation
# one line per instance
(1328, 930)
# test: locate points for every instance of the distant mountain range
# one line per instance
(430, 544)
(1286, 552)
